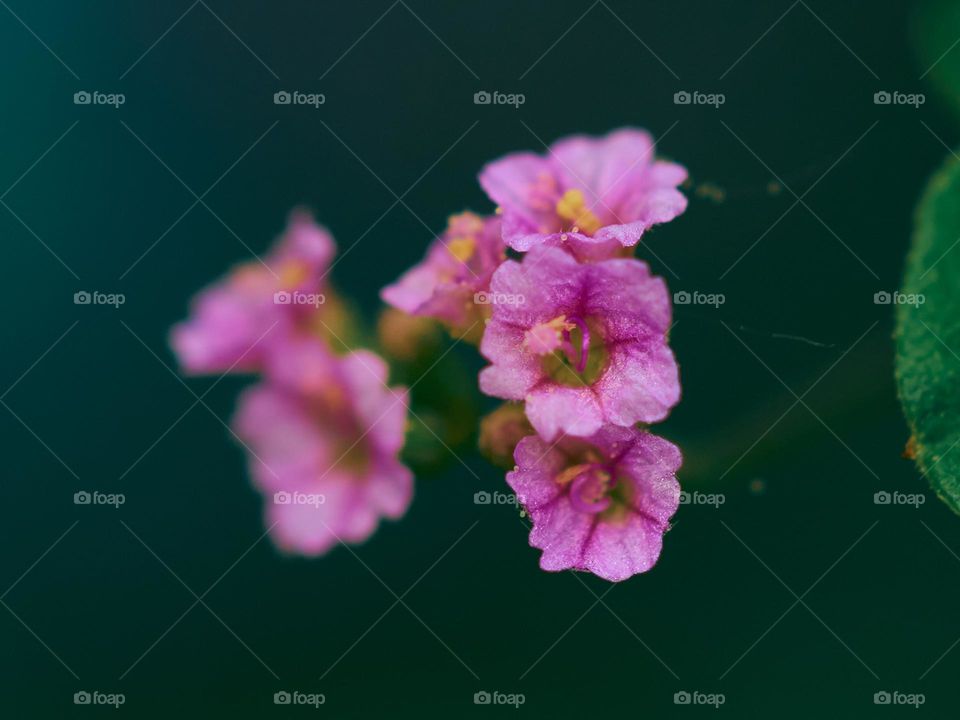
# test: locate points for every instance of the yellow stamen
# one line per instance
(571, 472)
(572, 208)
(292, 274)
(547, 336)
(462, 248)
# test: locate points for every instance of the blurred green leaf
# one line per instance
(935, 33)
(928, 335)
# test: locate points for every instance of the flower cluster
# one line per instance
(575, 328)
(322, 428)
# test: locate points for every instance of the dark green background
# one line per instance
(399, 100)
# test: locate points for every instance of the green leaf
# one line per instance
(928, 336)
(935, 32)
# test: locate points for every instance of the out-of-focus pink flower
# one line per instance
(592, 194)
(324, 434)
(233, 321)
(586, 346)
(600, 504)
(450, 283)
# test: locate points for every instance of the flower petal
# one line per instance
(616, 552)
(632, 303)
(380, 409)
(607, 167)
(509, 182)
(391, 488)
(553, 409)
(537, 464)
(547, 282)
(513, 372)
(562, 533)
(640, 383)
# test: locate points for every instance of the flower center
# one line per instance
(462, 248)
(590, 485)
(463, 230)
(594, 487)
(350, 452)
(588, 493)
(352, 456)
(573, 209)
(546, 338)
(571, 348)
(293, 273)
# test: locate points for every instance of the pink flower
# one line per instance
(233, 321)
(585, 347)
(457, 268)
(595, 194)
(324, 435)
(601, 504)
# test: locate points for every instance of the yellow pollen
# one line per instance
(292, 274)
(572, 208)
(570, 473)
(462, 248)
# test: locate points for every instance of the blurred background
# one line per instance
(797, 594)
